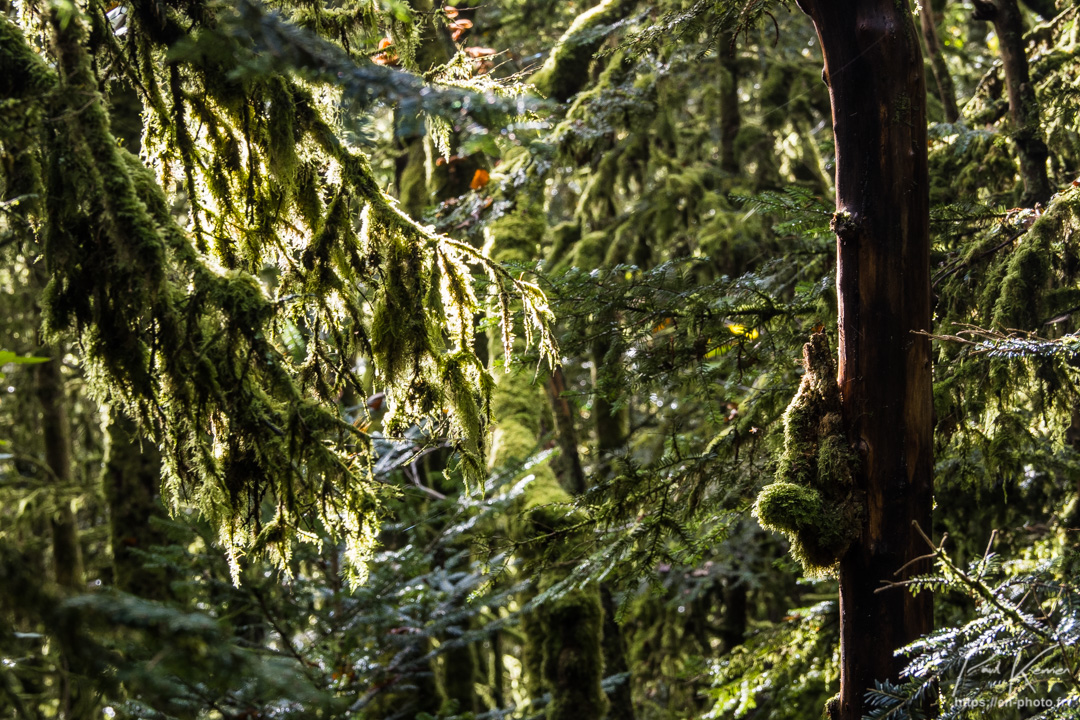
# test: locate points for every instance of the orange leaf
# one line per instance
(385, 58)
(480, 179)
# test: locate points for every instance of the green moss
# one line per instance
(813, 501)
(783, 506)
(459, 681)
(563, 237)
(413, 191)
(1026, 278)
(281, 132)
(516, 236)
(22, 71)
(572, 657)
(565, 71)
(591, 250)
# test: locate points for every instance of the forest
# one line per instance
(539, 359)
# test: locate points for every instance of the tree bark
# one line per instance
(946, 88)
(730, 118)
(565, 433)
(76, 702)
(874, 68)
(1023, 105)
(132, 480)
(56, 436)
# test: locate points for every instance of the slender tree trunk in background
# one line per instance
(945, 87)
(736, 607)
(612, 423)
(498, 675)
(566, 433)
(730, 118)
(874, 68)
(1023, 105)
(132, 480)
(76, 702)
(564, 647)
(56, 436)
(620, 701)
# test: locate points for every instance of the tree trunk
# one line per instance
(76, 701)
(1023, 105)
(875, 73)
(56, 435)
(565, 434)
(942, 78)
(132, 480)
(730, 118)
(498, 675)
(564, 635)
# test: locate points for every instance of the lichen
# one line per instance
(813, 501)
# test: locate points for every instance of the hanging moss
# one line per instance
(813, 500)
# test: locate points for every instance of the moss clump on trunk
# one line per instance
(814, 502)
(566, 69)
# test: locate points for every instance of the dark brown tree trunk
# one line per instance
(730, 118)
(1023, 105)
(736, 612)
(76, 701)
(565, 434)
(498, 675)
(943, 80)
(874, 68)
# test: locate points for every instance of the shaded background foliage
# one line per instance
(240, 234)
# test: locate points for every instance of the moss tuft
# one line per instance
(813, 501)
